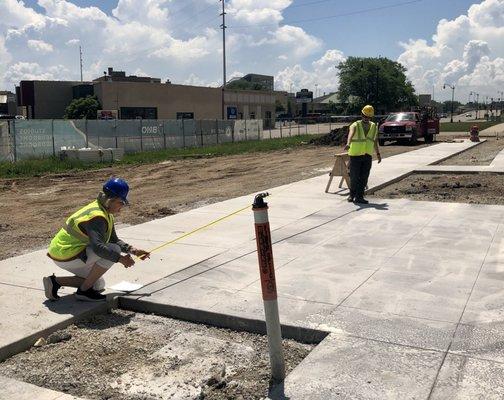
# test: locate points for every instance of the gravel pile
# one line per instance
(127, 356)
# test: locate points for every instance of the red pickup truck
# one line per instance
(409, 126)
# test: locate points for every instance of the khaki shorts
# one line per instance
(82, 269)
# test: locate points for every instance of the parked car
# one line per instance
(443, 115)
(468, 115)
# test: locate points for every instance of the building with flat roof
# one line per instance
(132, 97)
(7, 103)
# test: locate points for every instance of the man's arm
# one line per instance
(125, 247)
(351, 133)
(142, 254)
(377, 149)
(96, 230)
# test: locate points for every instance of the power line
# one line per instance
(363, 11)
(181, 24)
(310, 4)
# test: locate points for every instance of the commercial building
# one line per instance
(7, 103)
(46, 99)
(132, 97)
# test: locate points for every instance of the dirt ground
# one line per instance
(32, 210)
(482, 154)
(482, 188)
(130, 356)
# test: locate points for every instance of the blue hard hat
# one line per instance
(117, 187)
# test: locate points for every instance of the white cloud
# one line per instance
(40, 46)
(322, 74)
(256, 12)
(73, 42)
(153, 11)
(161, 38)
(32, 71)
(467, 51)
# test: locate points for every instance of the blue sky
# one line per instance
(180, 39)
(351, 34)
(370, 33)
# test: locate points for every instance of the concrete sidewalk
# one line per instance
(410, 292)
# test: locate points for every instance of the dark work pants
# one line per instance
(360, 167)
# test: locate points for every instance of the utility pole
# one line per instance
(452, 87)
(223, 26)
(501, 99)
(477, 105)
(80, 57)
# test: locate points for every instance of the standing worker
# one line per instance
(87, 245)
(362, 140)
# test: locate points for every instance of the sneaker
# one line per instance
(362, 200)
(350, 199)
(51, 287)
(89, 295)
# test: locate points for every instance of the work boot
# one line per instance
(361, 200)
(51, 287)
(89, 295)
(350, 199)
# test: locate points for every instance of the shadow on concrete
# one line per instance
(376, 206)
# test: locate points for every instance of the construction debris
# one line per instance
(130, 356)
(336, 137)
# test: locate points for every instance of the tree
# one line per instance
(447, 106)
(377, 81)
(279, 107)
(242, 84)
(85, 107)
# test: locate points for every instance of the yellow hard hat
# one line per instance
(368, 111)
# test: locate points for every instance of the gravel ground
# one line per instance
(482, 154)
(482, 188)
(128, 356)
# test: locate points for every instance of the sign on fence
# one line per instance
(43, 138)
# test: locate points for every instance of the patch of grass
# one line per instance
(36, 167)
(464, 126)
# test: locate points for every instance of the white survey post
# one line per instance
(268, 285)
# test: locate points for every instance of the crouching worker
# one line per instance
(87, 245)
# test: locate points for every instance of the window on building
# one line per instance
(138, 113)
(252, 115)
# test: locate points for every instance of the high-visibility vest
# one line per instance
(71, 240)
(361, 143)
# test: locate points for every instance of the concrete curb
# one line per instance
(28, 341)
(235, 323)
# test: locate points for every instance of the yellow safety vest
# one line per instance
(71, 240)
(361, 143)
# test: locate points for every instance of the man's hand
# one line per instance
(141, 254)
(378, 156)
(127, 261)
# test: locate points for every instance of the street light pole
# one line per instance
(223, 26)
(453, 97)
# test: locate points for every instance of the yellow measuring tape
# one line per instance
(208, 225)
(198, 229)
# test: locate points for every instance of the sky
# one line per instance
(300, 42)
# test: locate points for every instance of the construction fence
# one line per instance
(27, 139)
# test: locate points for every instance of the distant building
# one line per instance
(7, 103)
(253, 82)
(47, 99)
(132, 97)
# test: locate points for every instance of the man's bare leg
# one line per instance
(95, 274)
(69, 281)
